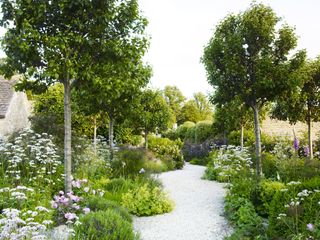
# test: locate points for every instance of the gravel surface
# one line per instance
(197, 213)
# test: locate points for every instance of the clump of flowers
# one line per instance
(28, 224)
(230, 162)
(68, 207)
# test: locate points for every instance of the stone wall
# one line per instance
(16, 116)
(274, 127)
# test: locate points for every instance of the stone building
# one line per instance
(14, 108)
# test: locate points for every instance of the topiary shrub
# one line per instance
(104, 225)
(146, 200)
(203, 131)
(183, 129)
(96, 204)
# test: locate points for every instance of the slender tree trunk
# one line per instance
(146, 139)
(225, 137)
(111, 125)
(67, 134)
(95, 134)
(241, 137)
(310, 135)
(258, 139)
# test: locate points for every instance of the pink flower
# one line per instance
(54, 204)
(310, 227)
(86, 210)
(70, 216)
(76, 184)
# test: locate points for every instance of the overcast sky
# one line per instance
(179, 29)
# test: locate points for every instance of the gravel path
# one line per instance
(197, 213)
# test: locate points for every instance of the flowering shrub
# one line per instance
(31, 158)
(228, 163)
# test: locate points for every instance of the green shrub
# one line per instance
(146, 200)
(128, 163)
(183, 129)
(269, 165)
(168, 151)
(267, 190)
(191, 135)
(248, 138)
(104, 225)
(241, 212)
(96, 204)
(203, 131)
(200, 161)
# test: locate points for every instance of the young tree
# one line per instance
(302, 103)
(247, 58)
(152, 114)
(59, 41)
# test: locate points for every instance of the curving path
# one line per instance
(197, 213)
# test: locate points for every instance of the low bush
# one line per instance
(183, 129)
(96, 204)
(168, 151)
(147, 200)
(104, 225)
(200, 161)
(203, 131)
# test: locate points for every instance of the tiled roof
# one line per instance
(6, 93)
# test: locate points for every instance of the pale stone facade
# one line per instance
(275, 127)
(14, 109)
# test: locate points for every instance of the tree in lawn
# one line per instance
(302, 103)
(247, 58)
(152, 114)
(232, 116)
(59, 41)
(175, 100)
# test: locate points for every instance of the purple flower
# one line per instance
(310, 227)
(86, 210)
(296, 144)
(70, 216)
(86, 189)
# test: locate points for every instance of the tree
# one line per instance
(175, 100)
(60, 41)
(302, 103)
(247, 58)
(152, 114)
(196, 109)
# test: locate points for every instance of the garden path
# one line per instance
(197, 213)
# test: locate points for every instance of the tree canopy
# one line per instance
(248, 58)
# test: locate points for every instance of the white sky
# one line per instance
(179, 29)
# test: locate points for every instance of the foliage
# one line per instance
(168, 151)
(293, 210)
(104, 225)
(203, 131)
(183, 129)
(199, 161)
(192, 150)
(175, 100)
(302, 103)
(128, 163)
(243, 215)
(196, 109)
(97, 203)
(147, 200)
(247, 59)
